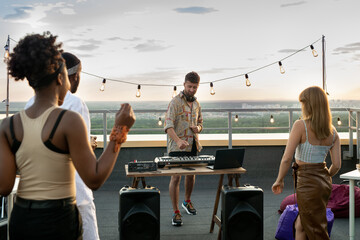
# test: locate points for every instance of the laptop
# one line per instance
(228, 158)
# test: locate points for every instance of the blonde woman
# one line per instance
(311, 139)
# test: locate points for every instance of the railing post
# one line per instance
(104, 130)
(351, 137)
(167, 145)
(290, 120)
(357, 133)
(230, 130)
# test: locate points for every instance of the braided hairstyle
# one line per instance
(38, 59)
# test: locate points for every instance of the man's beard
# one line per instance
(188, 94)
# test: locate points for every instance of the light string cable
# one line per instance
(217, 80)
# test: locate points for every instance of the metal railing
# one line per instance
(353, 122)
(230, 114)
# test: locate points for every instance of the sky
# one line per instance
(156, 42)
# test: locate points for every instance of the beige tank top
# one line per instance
(44, 174)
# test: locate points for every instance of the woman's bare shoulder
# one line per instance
(299, 125)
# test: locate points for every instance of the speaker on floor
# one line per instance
(242, 213)
(139, 213)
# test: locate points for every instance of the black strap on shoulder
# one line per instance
(15, 143)
(56, 124)
(12, 132)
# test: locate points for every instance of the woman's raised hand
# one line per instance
(125, 116)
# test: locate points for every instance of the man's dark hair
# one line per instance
(70, 59)
(192, 77)
(36, 58)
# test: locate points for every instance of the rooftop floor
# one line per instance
(198, 226)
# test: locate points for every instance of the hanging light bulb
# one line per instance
(272, 119)
(282, 70)
(236, 118)
(138, 93)
(248, 83)
(7, 54)
(159, 122)
(315, 54)
(212, 91)
(174, 93)
(102, 87)
(338, 121)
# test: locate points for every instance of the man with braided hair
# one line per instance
(84, 195)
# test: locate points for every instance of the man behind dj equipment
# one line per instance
(183, 122)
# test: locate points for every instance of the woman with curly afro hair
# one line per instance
(45, 144)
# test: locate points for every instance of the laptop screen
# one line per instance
(229, 158)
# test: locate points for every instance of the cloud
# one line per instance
(348, 48)
(83, 45)
(292, 4)
(85, 55)
(151, 46)
(289, 50)
(20, 13)
(161, 77)
(134, 39)
(67, 11)
(195, 10)
(86, 47)
(36, 14)
(220, 70)
(356, 57)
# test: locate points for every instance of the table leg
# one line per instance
(216, 203)
(230, 178)
(135, 182)
(237, 176)
(352, 210)
(143, 182)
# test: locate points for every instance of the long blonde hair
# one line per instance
(315, 108)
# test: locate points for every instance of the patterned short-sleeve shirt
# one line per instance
(180, 115)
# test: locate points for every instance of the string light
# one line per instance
(159, 122)
(338, 121)
(7, 54)
(282, 70)
(315, 54)
(236, 118)
(102, 87)
(174, 93)
(138, 93)
(212, 91)
(272, 119)
(248, 83)
(226, 78)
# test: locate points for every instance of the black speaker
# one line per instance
(139, 213)
(242, 213)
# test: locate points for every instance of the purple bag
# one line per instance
(284, 229)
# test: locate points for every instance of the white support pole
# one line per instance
(323, 63)
(230, 130)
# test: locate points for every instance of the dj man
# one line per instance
(183, 122)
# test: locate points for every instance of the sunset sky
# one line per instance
(158, 41)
